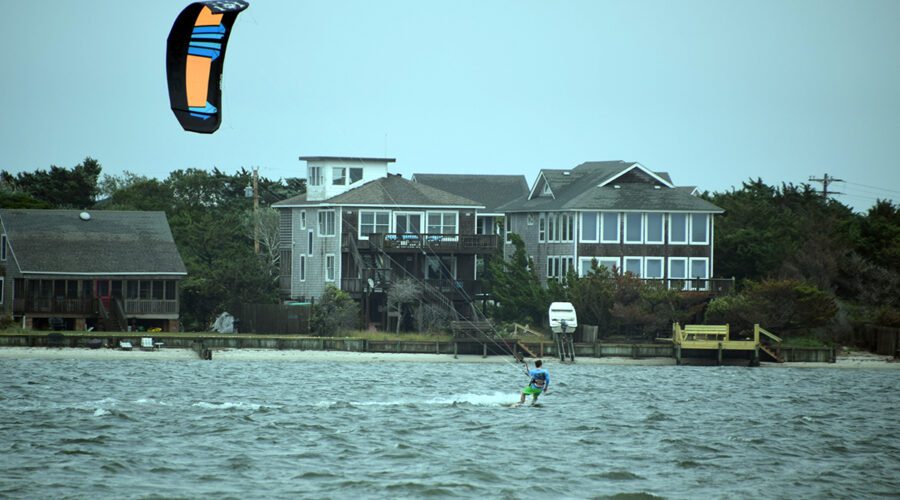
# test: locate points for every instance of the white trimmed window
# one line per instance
(700, 229)
(610, 263)
(552, 235)
(309, 242)
(356, 174)
(2, 249)
(329, 267)
(654, 223)
(507, 225)
(302, 267)
(609, 230)
(2, 289)
(566, 227)
(699, 269)
(678, 267)
(590, 225)
(678, 228)
(559, 265)
(634, 227)
(303, 219)
(315, 176)
(653, 267)
(633, 265)
(338, 176)
(326, 223)
(442, 222)
(542, 227)
(373, 221)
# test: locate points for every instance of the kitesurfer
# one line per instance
(539, 383)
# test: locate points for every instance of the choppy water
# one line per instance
(145, 429)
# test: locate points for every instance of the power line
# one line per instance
(873, 187)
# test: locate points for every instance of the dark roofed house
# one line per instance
(621, 215)
(103, 269)
(492, 191)
(361, 228)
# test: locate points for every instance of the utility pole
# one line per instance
(256, 209)
(826, 180)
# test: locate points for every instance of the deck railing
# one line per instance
(89, 306)
(434, 242)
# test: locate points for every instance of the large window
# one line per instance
(542, 227)
(633, 227)
(371, 221)
(589, 227)
(551, 227)
(633, 266)
(408, 223)
(329, 267)
(654, 228)
(653, 267)
(609, 227)
(678, 224)
(315, 176)
(440, 267)
(326, 223)
(699, 228)
(677, 268)
(611, 264)
(442, 222)
(699, 268)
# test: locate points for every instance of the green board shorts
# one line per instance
(534, 391)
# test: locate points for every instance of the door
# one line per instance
(408, 222)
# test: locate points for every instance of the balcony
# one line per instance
(444, 243)
(89, 307)
(714, 286)
(450, 287)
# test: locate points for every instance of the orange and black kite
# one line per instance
(194, 60)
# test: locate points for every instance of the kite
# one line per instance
(194, 58)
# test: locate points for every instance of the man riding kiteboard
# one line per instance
(540, 382)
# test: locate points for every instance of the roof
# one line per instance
(347, 159)
(611, 185)
(492, 191)
(389, 191)
(110, 242)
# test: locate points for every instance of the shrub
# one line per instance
(335, 312)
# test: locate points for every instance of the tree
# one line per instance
(335, 312)
(59, 187)
(775, 304)
(516, 287)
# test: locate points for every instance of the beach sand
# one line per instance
(847, 359)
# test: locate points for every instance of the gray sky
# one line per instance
(714, 92)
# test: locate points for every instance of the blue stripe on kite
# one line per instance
(198, 51)
(204, 112)
(208, 36)
(209, 29)
(208, 45)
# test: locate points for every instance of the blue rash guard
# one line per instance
(540, 379)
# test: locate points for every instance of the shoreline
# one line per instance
(852, 359)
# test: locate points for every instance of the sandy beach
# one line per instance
(848, 359)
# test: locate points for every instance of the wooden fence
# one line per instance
(274, 318)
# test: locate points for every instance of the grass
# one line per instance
(417, 337)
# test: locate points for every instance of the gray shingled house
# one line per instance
(360, 228)
(621, 214)
(109, 270)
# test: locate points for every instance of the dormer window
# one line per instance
(338, 176)
(546, 191)
(315, 176)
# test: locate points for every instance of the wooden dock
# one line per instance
(717, 338)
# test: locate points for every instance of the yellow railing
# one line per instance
(758, 329)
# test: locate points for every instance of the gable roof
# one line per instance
(111, 242)
(491, 191)
(389, 191)
(611, 185)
